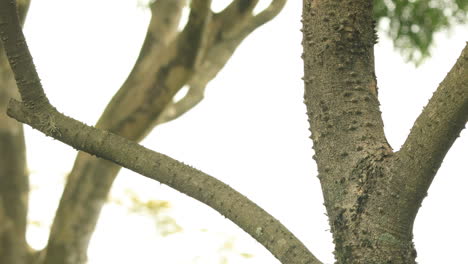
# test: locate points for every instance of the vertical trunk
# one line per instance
(14, 182)
(366, 215)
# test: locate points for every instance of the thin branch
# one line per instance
(192, 40)
(176, 109)
(235, 14)
(237, 7)
(246, 214)
(435, 130)
(233, 24)
(267, 14)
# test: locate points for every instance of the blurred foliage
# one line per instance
(229, 249)
(412, 24)
(156, 209)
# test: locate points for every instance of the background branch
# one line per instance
(14, 179)
(267, 14)
(158, 71)
(175, 109)
(135, 110)
(91, 179)
(226, 36)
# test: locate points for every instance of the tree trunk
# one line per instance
(372, 194)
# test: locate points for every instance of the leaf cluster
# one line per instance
(411, 24)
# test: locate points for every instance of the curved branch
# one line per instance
(237, 7)
(140, 100)
(250, 217)
(176, 109)
(45, 118)
(267, 14)
(435, 130)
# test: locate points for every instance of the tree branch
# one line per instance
(434, 131)
(259, 224)
(14, 179)
(132, 111)
(229, 28)
(237, 7)
(176, 109)
(157, 77)
(267, 14)
(44, 117)
(136, 102)
(21, 64)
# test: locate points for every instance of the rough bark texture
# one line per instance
(14, 182)
(371, 194)
(259, 224)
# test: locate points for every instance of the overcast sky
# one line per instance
(250, 131)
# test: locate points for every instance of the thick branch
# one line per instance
(192, 182)
(434, 132)
(259, 224)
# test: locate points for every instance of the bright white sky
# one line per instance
(258, 143)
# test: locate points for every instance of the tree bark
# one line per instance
(14, 179)
(371, 193)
